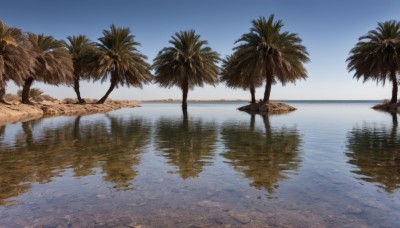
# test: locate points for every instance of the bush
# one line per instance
(36, 95)
(46, 97)
(70, 101)
(11, 97)
(90, 101)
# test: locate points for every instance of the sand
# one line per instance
(22, 112)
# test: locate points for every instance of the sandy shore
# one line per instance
(22, 112)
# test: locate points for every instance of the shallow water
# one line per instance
(328, 164)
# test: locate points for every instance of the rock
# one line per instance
(240, 217)
(272, 108)
(209, 203)
(101, 196)
(7, 203)
(219, 221)
(136, 204)
(68, 218)
(125, 220)
(353, 210)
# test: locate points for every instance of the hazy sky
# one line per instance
(329, 30)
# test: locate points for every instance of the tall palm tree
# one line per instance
(269, 53)
(119, 57)
(15, 60)
(376, 56)
(54, 64)
(83, 52)
(236, 76)
(188, 63)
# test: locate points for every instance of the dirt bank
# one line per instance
(22, 112)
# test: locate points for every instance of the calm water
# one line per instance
(328, 164)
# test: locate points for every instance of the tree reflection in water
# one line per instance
(375, 150)
(187, 144)
(41, 152)
(263, 156)
(2, 130)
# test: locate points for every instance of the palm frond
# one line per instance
(187, 59)
(54, 64)
(16, 59)
(117, 50)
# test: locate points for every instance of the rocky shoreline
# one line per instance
(23, 112)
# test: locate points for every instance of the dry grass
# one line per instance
(70, 101)
(36, 95)
(11, 97)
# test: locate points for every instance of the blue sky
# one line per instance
(329, 30)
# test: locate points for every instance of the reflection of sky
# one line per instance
(329, 30)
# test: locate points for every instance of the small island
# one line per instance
(270, 108)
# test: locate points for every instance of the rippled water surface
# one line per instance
(328, 164)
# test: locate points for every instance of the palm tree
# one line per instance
(82, 51)
(54, 64)
(119, 57)
(376, 56)
(15, 60)
(267, 52)
(188, 63)
(235, 76)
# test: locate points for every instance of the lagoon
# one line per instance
(327, 164)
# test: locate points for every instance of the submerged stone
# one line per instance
(240, 217)
(209, 203)
(272, 108)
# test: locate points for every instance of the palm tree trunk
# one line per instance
(77, 91)
(2, 93)
(185, 91)
(25, 91)
(112, 86)
(253, 94)
(395, 87)
(267, 92)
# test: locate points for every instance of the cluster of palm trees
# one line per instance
(265, 54)
(28, 57)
